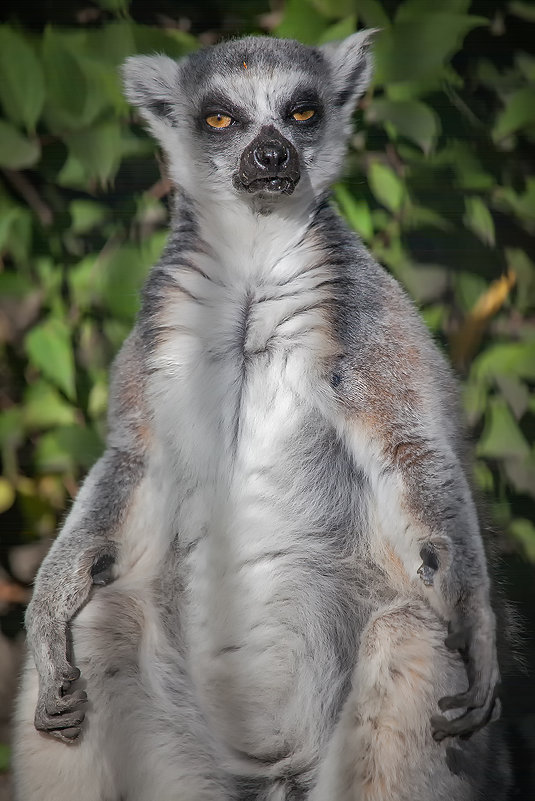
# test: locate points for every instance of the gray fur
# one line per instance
(258, 578)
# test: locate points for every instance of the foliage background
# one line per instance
(440, 184)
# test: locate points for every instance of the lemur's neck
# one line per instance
(245, 238)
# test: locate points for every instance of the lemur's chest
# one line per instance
(271, 497)
(237, 361)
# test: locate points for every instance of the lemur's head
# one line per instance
(254, 118)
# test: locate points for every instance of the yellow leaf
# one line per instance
(7, 495)
(465, 342)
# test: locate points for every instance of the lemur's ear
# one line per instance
(151, 83)
(351, 65)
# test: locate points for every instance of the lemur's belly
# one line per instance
(267, 579)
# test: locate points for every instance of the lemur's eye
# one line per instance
(218, 120)
(305, 114)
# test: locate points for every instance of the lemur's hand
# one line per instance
(475, 640)
(57, 712)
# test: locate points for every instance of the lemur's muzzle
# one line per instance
(269, 164)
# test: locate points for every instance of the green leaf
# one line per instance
(522, 204)
(434, 316)
(44, 407)
(356, 212)
(116, 331)
(468, 289)
(483, 476)
(118, 6)
(68, 447)
(474, 397)
(123, 273)
(15, 285)
(524, 531)
(97, 402)
(66, 84)
(526, 64)
(523, 10)
(5, 752)
(17, 237)
(16, 151)
(515, 392)
(173, 43)
(501, 435)
(411, 9)
(85, 282)
(411, 118)
(479, 220)
(373, 14)
(49, 348)
(423, 217)
(11, 429)
(340, 30)
(511, 358)
(421, 46)
(521, 474)
(334, 8)
(104, 95)
(518, 113)
(524, 270)
(98, 149)
(469, 172)
(7, 498)
(386, 186)
(112, 43)
(301, 21)
(8, 215)
(22, 89)
(85, 215)
(424, 282)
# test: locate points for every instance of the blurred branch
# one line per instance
(28, 192)
(12, 593)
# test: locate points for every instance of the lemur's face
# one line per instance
(252, 118)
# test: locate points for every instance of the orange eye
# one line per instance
(306, 114)
(218, 120)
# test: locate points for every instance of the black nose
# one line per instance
(271, 155)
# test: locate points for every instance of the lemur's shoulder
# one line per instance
(389, 363)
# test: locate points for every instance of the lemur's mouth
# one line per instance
(272, 185)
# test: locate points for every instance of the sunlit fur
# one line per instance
(283, 437)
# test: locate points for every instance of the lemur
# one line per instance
(272, 586)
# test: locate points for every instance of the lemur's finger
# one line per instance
(66, 735)
(59, 705)
(463, 726)
(52, 723)
(71, 673)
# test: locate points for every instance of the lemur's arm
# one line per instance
(84, 552)
(399, 419)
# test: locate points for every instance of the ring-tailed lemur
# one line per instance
(257, 578)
